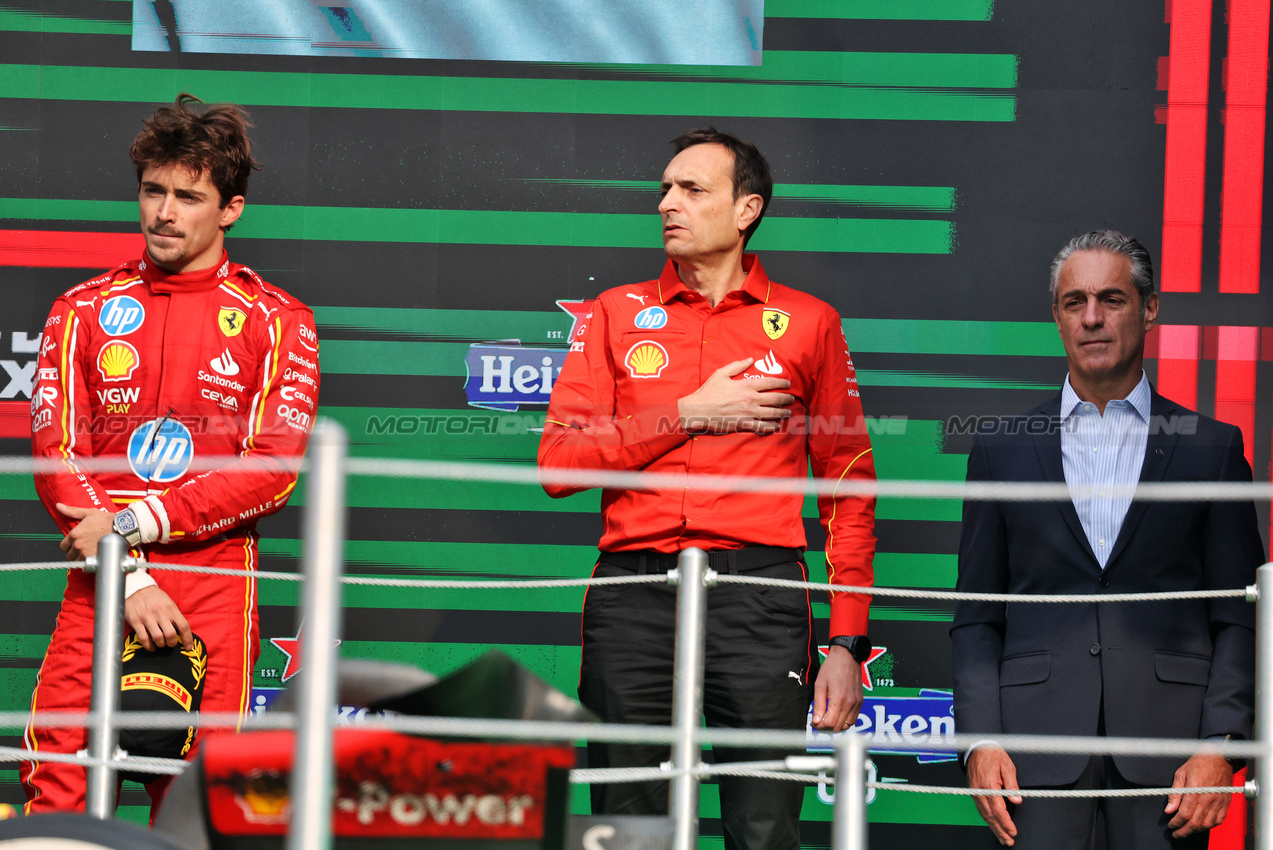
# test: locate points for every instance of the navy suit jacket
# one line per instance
(1180, 669)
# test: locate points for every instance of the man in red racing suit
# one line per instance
(200, 384)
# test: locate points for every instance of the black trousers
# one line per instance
(760, 664)
(1124, 823)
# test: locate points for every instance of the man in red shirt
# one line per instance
(714, 369)
(204, 378)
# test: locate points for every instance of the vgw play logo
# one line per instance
(506, 375)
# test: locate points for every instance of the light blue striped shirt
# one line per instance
(1102, 451)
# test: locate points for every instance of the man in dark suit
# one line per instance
(1180, 669)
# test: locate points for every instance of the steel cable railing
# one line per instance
(693, 773)
(686, 738)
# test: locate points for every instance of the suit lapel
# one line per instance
(1158, 449)
(1048, 447)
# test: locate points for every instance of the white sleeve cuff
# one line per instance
(984, 742)
(161, 517)
(146, 522)
(137, 580)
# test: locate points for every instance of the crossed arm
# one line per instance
(150, 611)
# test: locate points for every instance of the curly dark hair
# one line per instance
(751, 169)
(212, 141)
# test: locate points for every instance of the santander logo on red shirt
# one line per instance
(769, 365)
(225, 365)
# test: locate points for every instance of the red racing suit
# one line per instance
(201, 387)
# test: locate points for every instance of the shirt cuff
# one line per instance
(975, 744)
(1235, 763)
(138, 579)
(152, 519)
(850, 612)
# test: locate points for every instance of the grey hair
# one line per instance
(1115, 243)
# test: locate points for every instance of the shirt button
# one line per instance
(1101, 494)
(1101, 541)
(1095, 649)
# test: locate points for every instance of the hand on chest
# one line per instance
(663, 352)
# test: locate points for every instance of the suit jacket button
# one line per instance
(1095, 649)
(1103, 581)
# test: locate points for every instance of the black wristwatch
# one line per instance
(859, 646)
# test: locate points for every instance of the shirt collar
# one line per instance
(756, 284)
(163, 281)
(1139, 398)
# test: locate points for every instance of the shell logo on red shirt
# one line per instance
(117, 360)
(646, 359)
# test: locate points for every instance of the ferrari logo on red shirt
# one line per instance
(646, 359)
(775, 323)
(230, 320)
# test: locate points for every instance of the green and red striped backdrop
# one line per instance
(931, 156)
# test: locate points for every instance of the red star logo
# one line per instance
(291, 647)
(578, 311)
(868, 683)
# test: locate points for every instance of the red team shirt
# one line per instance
(614, 407)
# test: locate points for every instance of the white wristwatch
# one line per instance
(127, 527)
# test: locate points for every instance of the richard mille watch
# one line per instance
(859, 646)
(126, 526)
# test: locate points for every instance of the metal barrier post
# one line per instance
(687, 695)
(108, 646)
(848, 830)
(1263, 803)
(312, 772)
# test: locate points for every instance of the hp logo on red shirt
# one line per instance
(121, 315)
(160, 450)
(651, 318)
